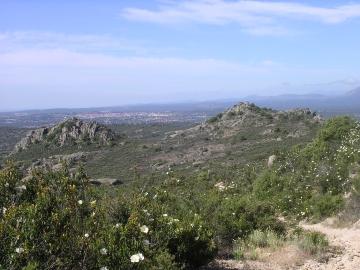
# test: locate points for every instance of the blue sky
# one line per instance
(98, 53)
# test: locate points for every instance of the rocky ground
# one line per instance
(347, 239)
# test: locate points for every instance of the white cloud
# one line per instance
(54, 69)
(41, 67)
(59, 77)
(55, 59)
(257, 17)
(19, 40)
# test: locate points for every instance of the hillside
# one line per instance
(234, 206)
(241, 134)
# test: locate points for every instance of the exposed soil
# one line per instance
(345, 240)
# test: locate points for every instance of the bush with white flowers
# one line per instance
(58, 222)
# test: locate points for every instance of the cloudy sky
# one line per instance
(66, 53)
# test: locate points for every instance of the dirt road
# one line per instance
(347, 239)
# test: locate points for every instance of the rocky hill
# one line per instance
(69, 132)
(240, 133)
(247, 115)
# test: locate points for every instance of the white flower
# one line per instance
(144, 229)
(104, 268)
(6, 184)
(19, 250)
(80, 202)
(86, 235)
(117, 225)
(137, 258)
(165, 215)
(4, 210)
(103, 251)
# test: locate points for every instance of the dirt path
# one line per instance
(347, 239)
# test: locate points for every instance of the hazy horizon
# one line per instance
(111, 53)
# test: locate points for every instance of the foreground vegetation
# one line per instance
(56, 220)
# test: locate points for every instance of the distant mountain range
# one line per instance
(191, 111)
(346, 103)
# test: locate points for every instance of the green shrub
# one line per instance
(336, 128)
(258, 238)
(313, 243)
(55, 220)
(239, 217)
(267, 238)
(214, 119)
(247, 248)
(325, 205)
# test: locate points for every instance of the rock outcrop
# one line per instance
(70, 131)
(247, 115)
(55, 162)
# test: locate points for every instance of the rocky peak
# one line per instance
(70, 131)
(248, 113)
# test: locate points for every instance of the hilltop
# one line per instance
(241, 133)
(244, 115)
(72, 131)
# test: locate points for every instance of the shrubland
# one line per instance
(56, 221)
(176, 220)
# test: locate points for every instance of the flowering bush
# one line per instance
(310, 181)
(241, 216)
(55, 221)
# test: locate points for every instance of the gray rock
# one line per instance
(271, 161)
(106, 181)
(70, 131)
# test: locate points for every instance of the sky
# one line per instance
(66, 53)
